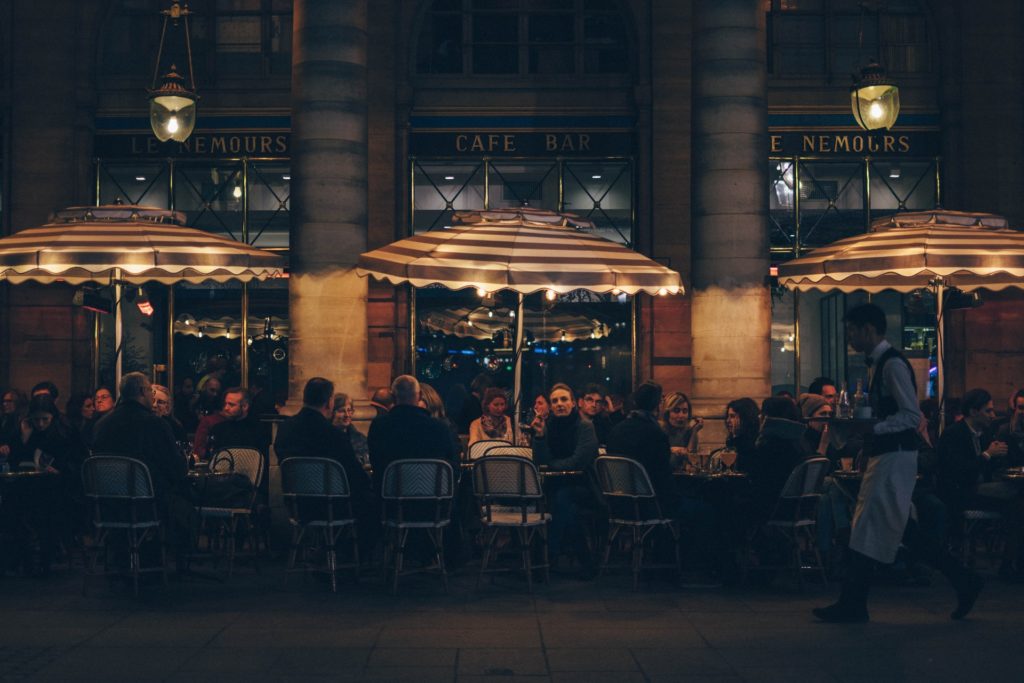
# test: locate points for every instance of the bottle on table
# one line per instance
(843, 409)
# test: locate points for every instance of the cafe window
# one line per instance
(814, 202)
(231, 39)
(578, 338)
(835, 38)
(242, 199)
(523, 38)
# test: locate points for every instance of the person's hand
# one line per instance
(997, 449)
(5, 450)
(698, 424)
(51, 469)
(538, 426)
(679, 450)
(26, 430)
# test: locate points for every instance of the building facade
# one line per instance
(715, 137)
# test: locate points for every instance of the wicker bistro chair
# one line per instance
(416, 494)
(509, 492)
(221, 524)
(121, 492)
(319, 501)
(982, 526)
(795, 515)
(478, 449)
(504, 449)
(633, 505)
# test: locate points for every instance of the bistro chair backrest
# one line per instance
(506, 476)
(116, 476)
(246, 461)
(623, 477)
(478, 449)
(418, 479)
(517, 451)
(799, 498)
(320, 477)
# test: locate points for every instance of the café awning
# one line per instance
(484, 323)
(908, 251)
(523, 250)
(128, 244)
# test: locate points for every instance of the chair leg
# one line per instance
(437, 537)
(403, 535)
(638, 556)
(163, 552)
(355, 549)
(332, 558)
(547, 560)
(524, 549)
(487, 556)
(612, 533)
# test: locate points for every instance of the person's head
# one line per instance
(103, 400)
(187, 387)
(318, 394)
(236, 403)
(1017, 407)
(541, 405)
(480, 384)
(826, 388)
(42, 412)
(494, 402)
(80, 406)
(431, 400)
(47, 388)
(741, 417)
(562, 400)
(162, 404)
(780, 407)
(382, 399)
(677, 410)
(343, 410)
(135, 386)
(647, 396)
(977, 409)
(211, 389)
(614, 403)
(13, 402)
(592, 400)
(865, 327)
(814, 406)
(406, 390)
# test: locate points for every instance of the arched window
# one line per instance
(835, 38)
(523, 38)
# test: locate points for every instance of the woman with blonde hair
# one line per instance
(678, 423)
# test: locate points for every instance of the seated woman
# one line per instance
(493, 423)
(431, 401)
(566, 442)
(541, 409)
(342, 421)
(778, 449)
(816, 438)
(741, 425)
(682, 431)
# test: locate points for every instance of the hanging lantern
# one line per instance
(172, 102)
(874, 98)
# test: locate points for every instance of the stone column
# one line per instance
(731, 316)
(327, 300)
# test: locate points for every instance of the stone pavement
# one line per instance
(253, 629)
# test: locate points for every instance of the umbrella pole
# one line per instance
(517, 377)
(118, 335)
(939, 339)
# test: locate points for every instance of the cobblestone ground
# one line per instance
(252, 628)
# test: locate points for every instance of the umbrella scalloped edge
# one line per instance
(560, 289)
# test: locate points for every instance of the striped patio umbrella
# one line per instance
(475, 323)
(523, 250)
(908, 251)
(128, 244)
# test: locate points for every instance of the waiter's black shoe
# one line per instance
(966, 595)
(841, 614)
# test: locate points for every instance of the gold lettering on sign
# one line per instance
(904, 143)
(776, 143)
(217, 144)
(510, 143)
(888, 142)
(551, 142)
(808, 143)
(858, 144)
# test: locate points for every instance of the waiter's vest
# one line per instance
(883, 404)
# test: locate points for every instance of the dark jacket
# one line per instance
(779, 448)
(308, 434)
(641, 438)
(582, 453)
(602, 427)
(133, 430)
(959, 467)
(406, 432)
(247, 433)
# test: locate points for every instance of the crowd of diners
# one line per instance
(566, 429)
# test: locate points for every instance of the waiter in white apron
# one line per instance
(883, 505)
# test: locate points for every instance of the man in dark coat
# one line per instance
(641, 438)
(309, 434)
(408, 431)
(133, 430)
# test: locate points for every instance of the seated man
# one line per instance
(408, 431)
(1012, 432)
(309, 434)
(591, 405)
(567, 442)
(240, 429)
(641, 438)
(965, 466)
(132, 429)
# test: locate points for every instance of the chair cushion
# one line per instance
(981, 514)
(639, 522)
(516, 519)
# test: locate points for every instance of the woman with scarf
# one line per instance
(493, 423)
(567, 443)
